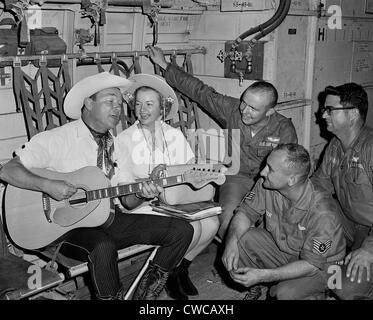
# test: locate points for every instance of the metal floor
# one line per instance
(209, 276)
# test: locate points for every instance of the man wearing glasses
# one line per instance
(261, 127)
(347, 171)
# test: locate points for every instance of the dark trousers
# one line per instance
(258, 250)
(99, 246)
(230, 196)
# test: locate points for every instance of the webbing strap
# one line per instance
(115, 66)
(41, 97)
(4, 252)
(136, 68)
(97, 61)
(52, 264)
(188, 113)
(17, 84)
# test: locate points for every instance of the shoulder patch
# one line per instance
(321, 247)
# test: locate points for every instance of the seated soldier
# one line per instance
(150, 142)
(301, 235)
(347, 171)
(96, 103)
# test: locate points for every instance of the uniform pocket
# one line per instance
(294, 242)
(359, 185)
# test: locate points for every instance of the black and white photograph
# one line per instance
(213, 156)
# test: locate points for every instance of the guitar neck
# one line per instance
(118, 191)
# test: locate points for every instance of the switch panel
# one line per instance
(243, 62)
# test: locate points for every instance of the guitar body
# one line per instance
(34, 220)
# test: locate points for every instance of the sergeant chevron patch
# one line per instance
(321, 247)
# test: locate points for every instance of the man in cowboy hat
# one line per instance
(96, 103)
(253, 115)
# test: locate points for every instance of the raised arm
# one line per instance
(219, 106)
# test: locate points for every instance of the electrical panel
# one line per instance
(243, 62)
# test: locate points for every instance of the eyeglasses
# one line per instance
(329, 109)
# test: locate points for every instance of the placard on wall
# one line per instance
(241, 5)
(362, 62)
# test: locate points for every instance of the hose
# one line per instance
(283, 7)
(276, 24)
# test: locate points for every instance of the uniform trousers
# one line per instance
(258, 249)
(98, 246)
(355, 235)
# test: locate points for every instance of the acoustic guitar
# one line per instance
(35, 220)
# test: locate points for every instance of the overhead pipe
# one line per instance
(276, 20)
(272, 27)
(17, 59)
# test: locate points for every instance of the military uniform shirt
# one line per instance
(225, 110)
(309, 230)
(349, 174)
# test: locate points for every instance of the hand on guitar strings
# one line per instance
(150, 190)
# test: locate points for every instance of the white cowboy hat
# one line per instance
(88, 86)
(158, 83)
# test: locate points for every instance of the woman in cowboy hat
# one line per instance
(151, 142)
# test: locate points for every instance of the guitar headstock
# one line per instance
(201, 175)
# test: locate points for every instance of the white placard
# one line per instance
(242, 5)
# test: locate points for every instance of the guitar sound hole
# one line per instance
(79, 199)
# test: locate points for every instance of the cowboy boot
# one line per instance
(151, 284)
(179, 285)
(173, 287)
(118, 296)
(186, 283)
